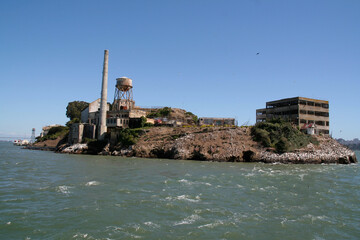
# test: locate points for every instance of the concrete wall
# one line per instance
(76, 133)
(216, 121)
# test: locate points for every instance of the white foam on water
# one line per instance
(188, 220)
(151, 224)
(317, 218)
(124, 190)
(270, 188)
(212, 225)
(63, 189)
(185, 181)
(302, 176)
(114, 229)
(285, 220)
(184, 198)
(250, 175)
(81, 235)
(92, 183)
(198, 211)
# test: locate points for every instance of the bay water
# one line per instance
(44, 195)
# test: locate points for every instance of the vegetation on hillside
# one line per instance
(74, 109)
(193, 116)
(54, 133)
(128, 136)
(162, 112)
(281, 135)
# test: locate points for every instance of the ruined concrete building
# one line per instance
(306, 113)
(216, 121)
(101, 118)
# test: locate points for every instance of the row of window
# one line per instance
(309, 103)
(114, 121)
(320, 123)
(122, 115)
(296, 102)
(321, 114)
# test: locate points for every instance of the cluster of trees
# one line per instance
(73, 111)
(193, 116)
(162, 112)
(54, 133)
(280, 135)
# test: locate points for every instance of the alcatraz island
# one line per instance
(293, 130)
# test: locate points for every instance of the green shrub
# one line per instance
(282, 145)
(261, 135)
(162, 112)
(128, 137)
(193, 116)
(143, 121)
(281, 135)
(54, 133)
(74, 120)
(88, 140)
(147, 125)
(165, 112)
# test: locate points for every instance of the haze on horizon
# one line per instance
(213, 58)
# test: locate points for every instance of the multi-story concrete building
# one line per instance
(303, 112)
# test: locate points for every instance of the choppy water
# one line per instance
(44, 195)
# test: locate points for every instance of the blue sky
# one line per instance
(196, 55)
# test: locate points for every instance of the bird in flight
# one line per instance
(257, 53)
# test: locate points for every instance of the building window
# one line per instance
(325, 105)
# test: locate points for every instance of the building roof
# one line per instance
(299, 98)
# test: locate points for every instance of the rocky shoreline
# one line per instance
(219, 144)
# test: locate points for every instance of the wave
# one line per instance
(184, 198)
(64, 189)
(92, 183)
(188, 220)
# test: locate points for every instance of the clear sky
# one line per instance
(197, 55)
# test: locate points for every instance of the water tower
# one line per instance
(123, 97)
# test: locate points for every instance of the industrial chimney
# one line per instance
(103, 102)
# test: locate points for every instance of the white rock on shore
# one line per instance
(75, 148)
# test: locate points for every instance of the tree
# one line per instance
(74, 109)
(143, 121)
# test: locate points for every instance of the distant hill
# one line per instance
(352, 144)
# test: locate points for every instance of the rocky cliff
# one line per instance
(227, 144)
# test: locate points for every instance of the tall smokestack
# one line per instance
(103, 102)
